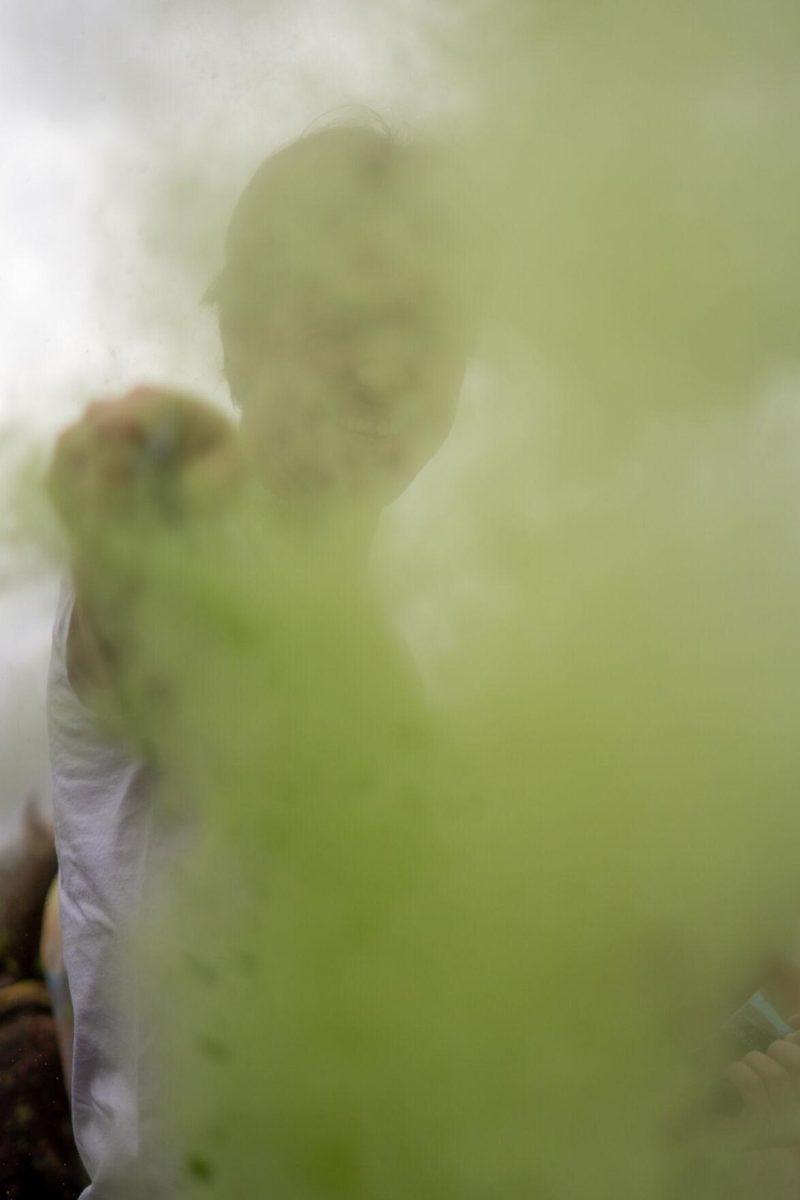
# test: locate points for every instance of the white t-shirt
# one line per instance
(103, 816)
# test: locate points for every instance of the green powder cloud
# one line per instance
(474, 944)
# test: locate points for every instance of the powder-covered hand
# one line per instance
(769, 1087)
(150, 446)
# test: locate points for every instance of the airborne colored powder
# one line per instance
(461, 928)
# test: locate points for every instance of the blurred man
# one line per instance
(345, 311)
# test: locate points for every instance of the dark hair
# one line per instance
(364, 151)
(354, 175)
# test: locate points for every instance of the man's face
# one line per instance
(344, 394)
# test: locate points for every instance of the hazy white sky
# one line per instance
(128, 129)
(101, 105)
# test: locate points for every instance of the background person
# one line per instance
(38, 1159)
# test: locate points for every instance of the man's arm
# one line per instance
(149, 456)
